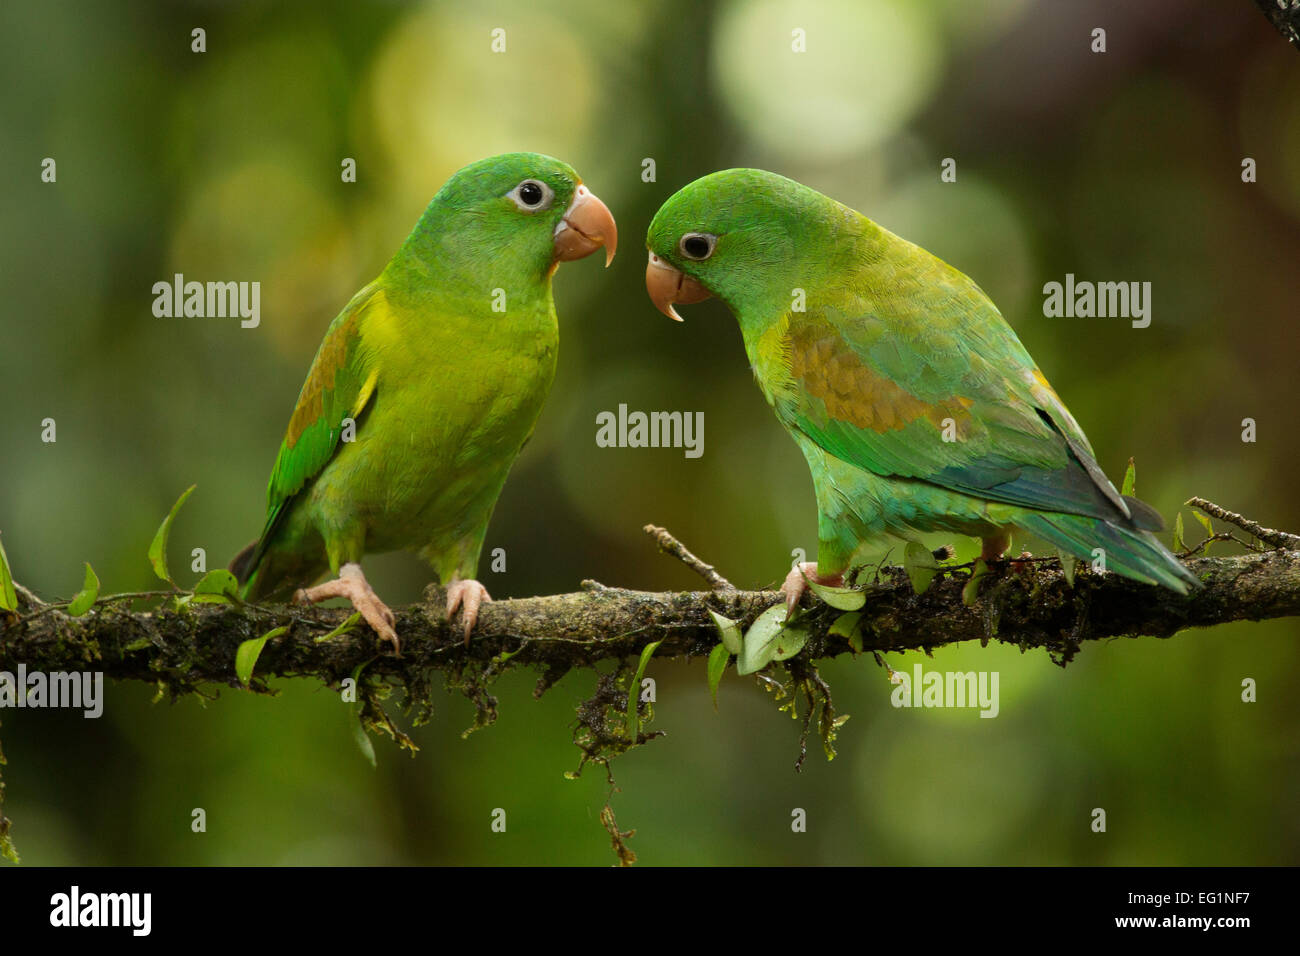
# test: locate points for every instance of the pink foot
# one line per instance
(470, 595)
(352, 584)
(992, 549)
(795, 584)
(1022, 563)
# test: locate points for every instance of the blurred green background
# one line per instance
(226, 165)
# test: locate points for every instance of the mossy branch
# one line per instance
(188, 644)
(1285, 17)
(1027, 604)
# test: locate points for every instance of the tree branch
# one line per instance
(1031, 605)
(185, 643)
(1285, 17)
(679, 551)
(1278, 539)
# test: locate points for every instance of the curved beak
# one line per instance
(667, 284)
(587, 225)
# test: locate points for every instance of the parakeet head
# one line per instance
(521, 210)
(740, 234)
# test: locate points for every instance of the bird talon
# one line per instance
(796, 582)
(352, 584)
(468, 595)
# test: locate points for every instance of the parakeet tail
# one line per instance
(274, 573)
(239, 563)
(241, 567)
(1133, 553)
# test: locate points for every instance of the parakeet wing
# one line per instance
(339, 386)
(877, 391)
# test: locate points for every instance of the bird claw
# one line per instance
(468, 595)
(796, 582)
(1022, 564)
(352, 584)
(992, 548)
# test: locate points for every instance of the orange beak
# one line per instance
(587, 225)
(667, 284)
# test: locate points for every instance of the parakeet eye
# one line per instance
(532, 195)
(698, 245)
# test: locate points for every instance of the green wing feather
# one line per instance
(339, 386)
(877, 389)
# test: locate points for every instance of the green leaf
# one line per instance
(845, 624)
(789, 642)
(1179, 544)
(728, 630)
(770, 638)
(218, 586)
(845, 599)
(920, 565)
(364, 742)
(158, 547)
(85, 598)
(1068, 563)
(249, 651)
(1130, 479)
(850, 626)
(634, 689)
(718, 658)
(8, 596)
(342, 629)
(356, 678)
(760, 640)
(971, 592)
(1205, 523)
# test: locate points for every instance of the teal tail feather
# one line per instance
(1133, 553)
(273, 574)
(241, 566)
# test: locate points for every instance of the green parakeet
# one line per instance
(914, 403)
(424, 390)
